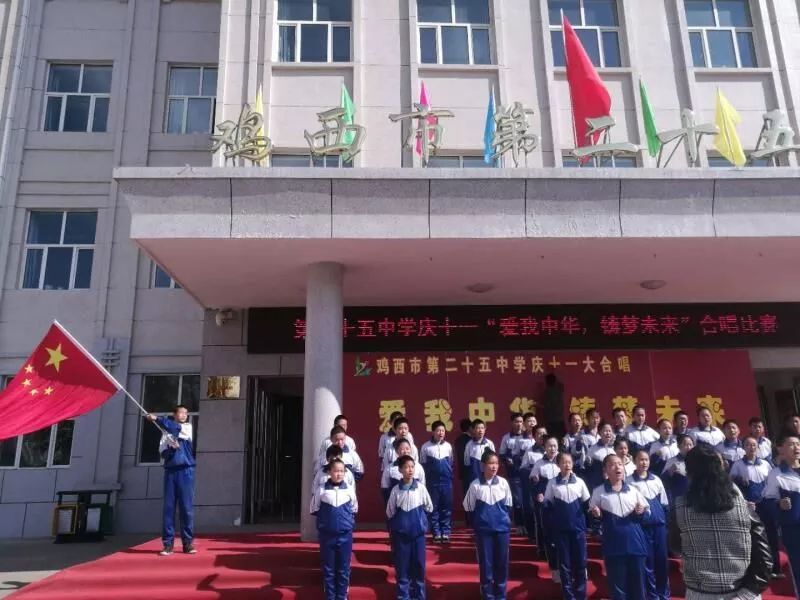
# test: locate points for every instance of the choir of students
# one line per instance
(612, 479)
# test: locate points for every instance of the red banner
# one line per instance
(450, 386)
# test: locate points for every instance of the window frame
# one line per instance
(453, 23)
(186, 98)
(4, 379)
(193, 415)
(311, 159)
(599, 30)
(734, 30)
(173, 285)
(93, 96)
(566, 157)
(45, 247)
(298, 37)
(461, 157)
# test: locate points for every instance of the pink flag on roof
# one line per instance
(423, 101)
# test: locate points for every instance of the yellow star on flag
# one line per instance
(34, 392)
(26, 383)
(48, 390)
(29, 369)
(56, 358)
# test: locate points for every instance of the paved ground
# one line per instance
(25, 561)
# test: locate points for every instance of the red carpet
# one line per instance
(269, 566)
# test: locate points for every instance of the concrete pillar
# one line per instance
(323, 373)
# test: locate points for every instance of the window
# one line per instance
(59, 249)
(191, 99)
(306, 160)
(721, 33)
(314, 30)
(458, 162)
(596, 24)
(454, 32)
(48, 447)
(715, 161)
(619, 162)
(159, 278)
(162, 393)
(77, 97)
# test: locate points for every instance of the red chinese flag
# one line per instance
(60, 380)
(589, 96)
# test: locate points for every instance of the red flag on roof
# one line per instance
(60, 380)
(589, 96)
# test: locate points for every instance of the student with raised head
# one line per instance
(436, 457)
(674, 473)
(654, 525)
(391, 475)
(488, 503)
(401, 432)
(510, 446)
(731, 447)
(664, 448)
(339, 421)
(321, 477)
(530, 458)
(566, 501)
(597, 454)
(750, 474)
(783, 490)
(335, 506)
(759, 431)
(387, 439)
(473, 451)
(622, 509)
(542, 472)
(177, 452)
(350, 457)
(406, 510)
(639, 434)
(705, 432)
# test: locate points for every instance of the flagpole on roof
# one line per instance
(103, 370)
(571, 104)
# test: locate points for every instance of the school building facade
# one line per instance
(171, 263)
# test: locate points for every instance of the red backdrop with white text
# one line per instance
(490, 385)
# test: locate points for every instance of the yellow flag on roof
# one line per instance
(727, 141)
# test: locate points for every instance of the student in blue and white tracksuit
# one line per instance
(350, 457)
(731, 447)
(758, 431)
(510, 446)
(542, 472)
(597, 454)
(340, 421)
(399, 430)
(408, 524)
(534, 454)
(654, 526)
(622, 449)
(488, 503)
(565, 503)
(639, 434)
(335, 506)
(177, 453)
(590, 434)
(473, 452)
(436, 457)
(783, 490)
(664, 448)
(705, 432)
(750, 474)
(622, 508)
(322, 475)
(391, 475)
(573, 443)
(674, 473)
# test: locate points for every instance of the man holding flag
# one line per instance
(61, 380)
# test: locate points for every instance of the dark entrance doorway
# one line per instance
(274, 450)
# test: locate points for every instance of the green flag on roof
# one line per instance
(653, 143)
(349, 112)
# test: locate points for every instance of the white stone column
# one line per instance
(323, 373)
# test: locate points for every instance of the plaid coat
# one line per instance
(715, 546)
